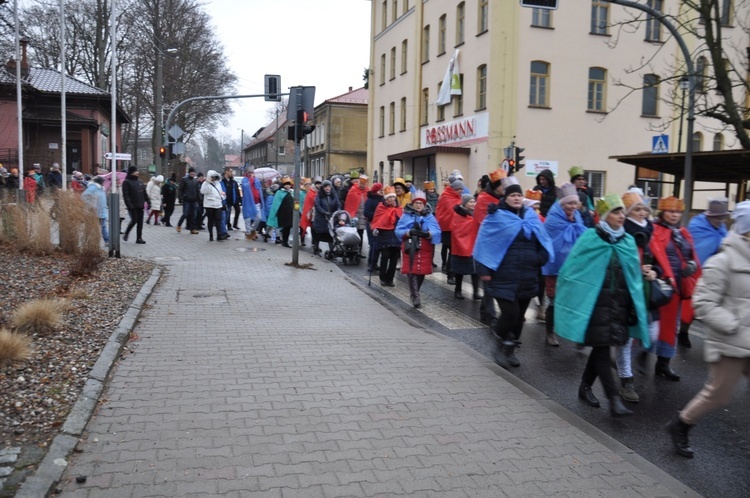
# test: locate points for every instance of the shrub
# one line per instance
(40, 316)
(68, 210)
(15, 226)
(14, 347)
(40, 231)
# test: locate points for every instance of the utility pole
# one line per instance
(297, 169)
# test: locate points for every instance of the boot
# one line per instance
(414, 291)
(587, 395)
(680, 439)
(642, 362)
(476, 296)
(451, 279)
(683, 339)
(457, 292)
(509, 348)
(617, 409)
(627, 390)
(499, 356)
(550, 327)
(664, 370)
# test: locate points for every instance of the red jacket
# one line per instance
(304, 222)
(464, 231)
(354, 198)
(444, 210)
(385, 217)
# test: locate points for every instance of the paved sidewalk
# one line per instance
(251, 377)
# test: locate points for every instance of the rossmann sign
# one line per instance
(457, 132)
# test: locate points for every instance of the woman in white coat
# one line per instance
(213, 203)
(153, 192)
(721, 301)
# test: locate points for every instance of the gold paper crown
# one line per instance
(607, 204)
(575, 171)
(670, 204)
(534, 195)
(306, 181)
(630, 199)
(389, 191)
(497, 175)
(429, 185)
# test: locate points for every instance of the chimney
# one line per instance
(11, 64)
(350, 89)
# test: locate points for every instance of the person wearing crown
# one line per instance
(674, 251)
(419, 232)
(599, 300)
(511, 247)
(585, 195)
(491, 194)
(564, 226)
(402, 192)
(383, 227)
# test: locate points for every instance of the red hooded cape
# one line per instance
(480, 210)
(464, 231)
(354, 198)
(307, 208)
(386, 217)
(444, 210)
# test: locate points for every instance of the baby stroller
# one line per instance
(346, 240)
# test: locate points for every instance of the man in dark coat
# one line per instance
(54, 177)
(188, 194)
(134, 195)
(234, 199)
(545, 182)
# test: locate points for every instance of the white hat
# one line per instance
(741, 217)
(159, 179)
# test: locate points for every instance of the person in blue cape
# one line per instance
(253, 203)
(563, 225)
(511, 247)
(419, 231)
(599, 299)
(708, 230)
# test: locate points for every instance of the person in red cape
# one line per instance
(305, 219)
(355, 206)
(674, 251)
(29, 185)
(491, 194)
(383, 228)
(450, 198)
(463, 235)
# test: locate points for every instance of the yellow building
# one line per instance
(570, 86)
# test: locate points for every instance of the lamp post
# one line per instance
(684, 85)
(158, 139)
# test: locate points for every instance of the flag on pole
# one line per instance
(451, 82)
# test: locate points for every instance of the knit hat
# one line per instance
(4, 172)
(607, 204)
(131, 169)
(457, 174)
(457, 185)
(159, 179)
(317, 180)
(429, 185)
(466, 198)
(632, 199)
(326, 183)
(575, 172)
(671, 203)
(513, 188)
(451, 179)
(389, 192)
(419, 195)
(717, 208)
(741, 217)
(56, 166)
(567, 193)
(376, 187)
(191, 170)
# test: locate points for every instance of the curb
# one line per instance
(52, 466)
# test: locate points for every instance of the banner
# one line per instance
(451, 82)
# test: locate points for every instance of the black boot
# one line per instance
(587, 395)
(664, 370)
(642, 362)
(617, 409)
(683, 339)
(457, 291)
(414, 291)
(509, 348)
(679, 432)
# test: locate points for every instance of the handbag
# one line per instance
(661, 292)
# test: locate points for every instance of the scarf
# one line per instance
(614, 234)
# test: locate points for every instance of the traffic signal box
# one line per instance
(300, 128)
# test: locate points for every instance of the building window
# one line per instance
(653, 26)
(701, 74)
(382, 121)
(382, 69)
(650, 95)
(697, 141)
(403, 114)
(541, 18)
(596, 182)
(718, 141)
(404, 55)
(597, 89)
(282, 150)
(394, 11)
(406, 6)
(439, 109)
(458, 103)
(483, 16)
(599, 17)
(392, 119)
(441, 35)
(425, 105)
(482, 87)
(539, 84)
(385, 14)
(426, 44)
(460, 22)
(727, 12)
(393, 63)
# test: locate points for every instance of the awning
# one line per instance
(429, 151)
(726, 166)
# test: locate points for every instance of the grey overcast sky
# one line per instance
(321, 43)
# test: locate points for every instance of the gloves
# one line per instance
(690, 268)
(415, 232)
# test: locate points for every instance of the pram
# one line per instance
(346, 240)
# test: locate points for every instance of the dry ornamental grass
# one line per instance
(40, 316)
(14, 347)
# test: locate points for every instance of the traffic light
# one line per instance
(300, 129)
(511, 166)
(272, 87)
(519, 158)
(162, 152)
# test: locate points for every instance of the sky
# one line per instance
(320, 43)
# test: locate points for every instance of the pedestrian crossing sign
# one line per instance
(660, 144)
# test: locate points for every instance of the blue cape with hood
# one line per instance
(249, 211)
(563, 233)
(498, 231)
(706, 237)
(424, 221)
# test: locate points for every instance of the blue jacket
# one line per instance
(706, 237)
(96, 197)
(249, 211)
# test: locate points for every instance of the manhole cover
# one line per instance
(249, 249)
(202, 296)
(168, 258)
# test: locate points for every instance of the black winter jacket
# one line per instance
(549, 196)
(614, 309)
(133, 192)
(325, 206)
(189, 189)
(371, 204)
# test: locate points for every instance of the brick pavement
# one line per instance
(251, 377)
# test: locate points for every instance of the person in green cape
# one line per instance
(599, 299)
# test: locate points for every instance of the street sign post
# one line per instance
(119, 156)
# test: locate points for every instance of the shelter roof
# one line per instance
(725, 166)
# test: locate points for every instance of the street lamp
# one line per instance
(158, 139)
(684, 85)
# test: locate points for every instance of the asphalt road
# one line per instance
(721, 440)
